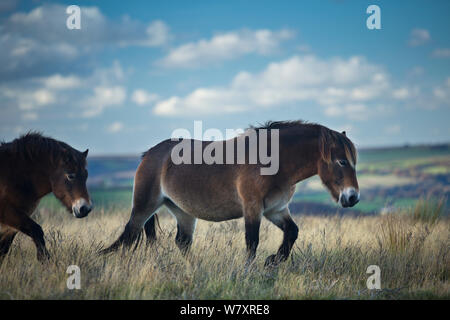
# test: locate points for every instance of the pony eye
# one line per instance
(342, 163)
(70, 176)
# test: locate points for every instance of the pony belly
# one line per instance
(218, 216)
(208, 209)
(206, 196)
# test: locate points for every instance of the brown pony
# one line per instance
(219, 192)
(31, 167)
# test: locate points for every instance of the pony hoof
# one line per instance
(272, 261)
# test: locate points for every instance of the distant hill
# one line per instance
(112, 171)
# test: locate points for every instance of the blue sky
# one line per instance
(138, 70)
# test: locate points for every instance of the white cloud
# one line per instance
(401, 93)
(441, 53)
(108, 90)
(419, 37)
(103, 97)
(351, 111)
(334, 83)
(158, 34)
(75, 96)
(142, 97)
(59, 82)
(155, 34)
(115, 127)
(43, 97)
(28, 99)
(46, 24)
(39, 37)
(225, 46)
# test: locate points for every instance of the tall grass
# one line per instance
(428, 210)
(328, 261)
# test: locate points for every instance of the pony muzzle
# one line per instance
(81, 208)
(349, 197)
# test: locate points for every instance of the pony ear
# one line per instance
(343, 132)
(85, 154)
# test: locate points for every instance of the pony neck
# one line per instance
(40, 173)
(299, 155)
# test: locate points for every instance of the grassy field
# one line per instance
(328, 261)
(410, 243)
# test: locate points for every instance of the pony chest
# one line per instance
(277, 199)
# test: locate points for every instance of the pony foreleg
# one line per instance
(284, 221)
(6, 239)
(20, 221)
(185, 230)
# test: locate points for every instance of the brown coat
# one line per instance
(219, 192)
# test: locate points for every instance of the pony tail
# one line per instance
(325, 142)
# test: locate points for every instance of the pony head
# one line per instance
(337, 166)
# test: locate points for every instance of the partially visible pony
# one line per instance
(31, 167)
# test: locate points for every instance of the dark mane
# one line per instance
(328, 137)
(34, 146)
(280, 124)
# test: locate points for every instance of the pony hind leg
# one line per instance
(252, 220)
(150, 229)
(147, 199)
(283, 220)
(132, 232)
(185, 227)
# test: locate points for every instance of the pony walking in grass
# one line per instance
(31, 167)
(220, 192)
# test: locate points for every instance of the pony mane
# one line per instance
(33, 145)
(281, 124)
(327, 138)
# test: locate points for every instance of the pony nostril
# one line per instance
(84, 210)
(353, 199)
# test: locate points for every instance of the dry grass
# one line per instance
(427, 210)
(329, 261)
